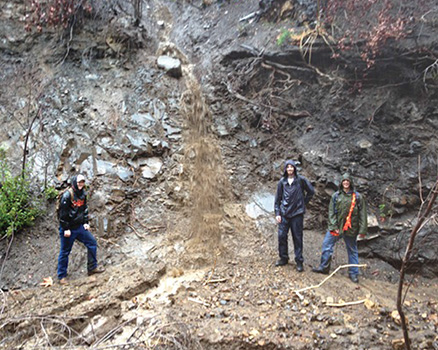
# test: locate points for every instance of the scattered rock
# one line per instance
(151, 168)
(171, 65)
(143, 120)
(364, 144)
(396, 317)
(398, 344)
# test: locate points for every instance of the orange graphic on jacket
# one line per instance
(78, 203)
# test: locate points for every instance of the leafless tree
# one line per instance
(423, 216)
(22, 100)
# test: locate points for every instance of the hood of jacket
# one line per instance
(348, 177)
(289, 162)
(74, 185)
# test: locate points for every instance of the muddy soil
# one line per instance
(190, 250)
(241, 301)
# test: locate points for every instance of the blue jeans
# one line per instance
(83, 236)
(327, 251)
(295, 224)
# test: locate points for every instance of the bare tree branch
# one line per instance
(422, 218)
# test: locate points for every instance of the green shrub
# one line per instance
(18, 207)
(282, 38)
(385, 210)
(51, 193)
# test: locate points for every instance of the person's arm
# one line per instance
(363, 218)
(64, 210)
(310, 191)
(86, 224)
(64, 213)
(278, 198)
(332, 218)
(277, 202)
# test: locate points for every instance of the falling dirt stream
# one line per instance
(206, 176)
(203, 171)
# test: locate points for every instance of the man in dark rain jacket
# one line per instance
(347, 220)
(73, 225)
(293, 194)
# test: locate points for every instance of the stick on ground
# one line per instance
(328, 277)
(347, 303)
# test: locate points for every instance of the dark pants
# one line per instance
(295, 224)
(83, 236)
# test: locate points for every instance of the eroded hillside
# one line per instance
(183, 166)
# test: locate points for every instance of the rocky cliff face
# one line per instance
(174, 153)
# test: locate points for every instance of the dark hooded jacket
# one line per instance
(339, 208)
(73, 212)
(291, 200)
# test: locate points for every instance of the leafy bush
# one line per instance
(359, 26)
(371, 22)
(18, 208)
(51, 193)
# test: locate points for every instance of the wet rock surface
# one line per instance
(111, 112)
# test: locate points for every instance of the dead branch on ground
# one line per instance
(218, 280)
(199, 301)
(214, 267)
(4, 302)
(6, 255)
(109, 241)
(44, 321)
(347, 303)
(328, 277)
(136, 232)
(113, 331)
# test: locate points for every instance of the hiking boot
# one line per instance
(281, 262)
(63, 281)
(300, 267)
(319, 269)
(354, 278)
(98, 269)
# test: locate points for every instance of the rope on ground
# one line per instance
(327, 278)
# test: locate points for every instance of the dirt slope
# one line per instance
(240, 302)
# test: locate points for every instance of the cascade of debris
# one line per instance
(206, 177)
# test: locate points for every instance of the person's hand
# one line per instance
(87, 227)
(67, 233)
(278, 218)
(334, 233)
(361, 236)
